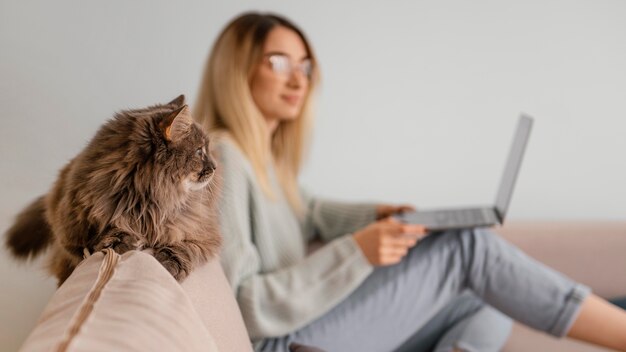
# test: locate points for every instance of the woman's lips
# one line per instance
(291, 99)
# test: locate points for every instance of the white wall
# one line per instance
(418, 104)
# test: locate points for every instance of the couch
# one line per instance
(131, 303)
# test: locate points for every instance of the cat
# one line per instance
(146, 180)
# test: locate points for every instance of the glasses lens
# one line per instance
(306, 67)
(280, 63)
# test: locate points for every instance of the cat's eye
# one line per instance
(199, 152)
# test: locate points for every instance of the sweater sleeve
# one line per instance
(278, 302)
(330, 219)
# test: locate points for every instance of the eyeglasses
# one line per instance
(282, 65)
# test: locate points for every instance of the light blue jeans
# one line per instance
(442, 295)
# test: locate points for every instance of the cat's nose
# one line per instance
(212, 165)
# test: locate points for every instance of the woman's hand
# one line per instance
(386, 210)
(387, 241)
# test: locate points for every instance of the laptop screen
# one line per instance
(513, 164)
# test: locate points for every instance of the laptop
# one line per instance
(486, 216)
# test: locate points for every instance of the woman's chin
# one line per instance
(290, 115)
(285, 115)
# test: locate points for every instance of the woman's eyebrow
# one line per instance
(276, 52)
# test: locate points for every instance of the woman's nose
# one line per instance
(296, 79)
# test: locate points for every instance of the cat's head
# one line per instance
(182, 153)
(157, 150)
(153, 155)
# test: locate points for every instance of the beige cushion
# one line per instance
(139, 306)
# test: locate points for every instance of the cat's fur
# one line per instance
(144, 181)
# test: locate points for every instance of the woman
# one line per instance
(371, 287)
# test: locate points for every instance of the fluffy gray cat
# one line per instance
(146, 180)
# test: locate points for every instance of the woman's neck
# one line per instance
(272, 126)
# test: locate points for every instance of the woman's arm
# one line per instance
(331, 219)
(279, 302)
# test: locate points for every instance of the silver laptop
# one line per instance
(444, 219)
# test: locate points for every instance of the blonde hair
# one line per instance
(225, 105)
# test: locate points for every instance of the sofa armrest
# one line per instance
(214, 300)
(131, 303)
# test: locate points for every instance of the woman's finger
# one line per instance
(394, 251)
(405, 208)
(413, 229)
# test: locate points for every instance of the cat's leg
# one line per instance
(180, 258)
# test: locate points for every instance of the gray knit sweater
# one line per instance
(278, 287)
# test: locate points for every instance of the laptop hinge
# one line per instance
(498, 215)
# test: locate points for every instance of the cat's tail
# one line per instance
(31, 233)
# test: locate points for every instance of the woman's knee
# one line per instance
(481, 239)
(466, 239)
(485, 330)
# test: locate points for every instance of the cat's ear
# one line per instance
(177, 123)
(178, 101)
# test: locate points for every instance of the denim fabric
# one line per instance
(466, 323)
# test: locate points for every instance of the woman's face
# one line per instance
(281, 80)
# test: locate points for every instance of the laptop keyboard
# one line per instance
(468, 216)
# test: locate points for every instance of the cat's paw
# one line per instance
(123, 247)
(120, 243)
(104, 244)
(171, 264)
